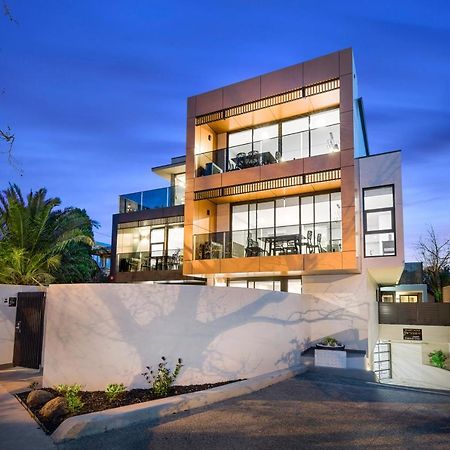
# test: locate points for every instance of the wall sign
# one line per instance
(12, 301)
(412, 334)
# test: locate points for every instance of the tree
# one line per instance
(6, 134)
(77, 265)
(35, 237)
(435, 255)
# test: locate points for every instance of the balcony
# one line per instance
(292, 139)
(414, 313)
(155, 198)
(265, 242)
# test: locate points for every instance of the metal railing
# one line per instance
(287, 240)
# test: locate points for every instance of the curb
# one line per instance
(113, 419)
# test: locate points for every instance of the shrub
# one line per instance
(161, 382)
(332, 342)
(113, 390)
(72, 396)
(438, 358)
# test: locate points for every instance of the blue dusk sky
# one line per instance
(95, 91)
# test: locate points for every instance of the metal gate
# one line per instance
(29, 329)
(382, 360)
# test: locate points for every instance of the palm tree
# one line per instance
(33, 235)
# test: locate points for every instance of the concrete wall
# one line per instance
(8, 319)
(100, 334)
(408, 367)
(410, 362)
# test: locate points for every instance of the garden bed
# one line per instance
(94, 401)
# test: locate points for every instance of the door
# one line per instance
(29, 329)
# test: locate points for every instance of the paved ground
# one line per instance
(18, 431)
(316, 410)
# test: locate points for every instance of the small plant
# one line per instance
(438, 358)
(113, 390)
(72, 396)
(33, 385)
(330, 341)
(164, 378)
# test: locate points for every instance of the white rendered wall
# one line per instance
(345, 307)
(379, 170)
(100, 334)
(8, 319)
(408, 367)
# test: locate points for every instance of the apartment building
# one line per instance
(277, 191)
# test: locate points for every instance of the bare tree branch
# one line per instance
(7, 13)
(435, 256)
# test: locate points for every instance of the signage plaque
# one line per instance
(412, 334)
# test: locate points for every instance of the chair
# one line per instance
(240, 160)
(253, 248)
(253, 158)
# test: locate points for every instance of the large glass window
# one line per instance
(291, 225)
(143, 247)
(305, 136)
(379, 222)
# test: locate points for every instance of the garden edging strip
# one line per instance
(113, 419)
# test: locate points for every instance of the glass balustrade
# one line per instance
(155, 198)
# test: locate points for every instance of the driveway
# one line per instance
(320, 409)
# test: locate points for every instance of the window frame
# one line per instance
(390, 209)
(280, 132)
(299, 225)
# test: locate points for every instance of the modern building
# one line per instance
(277, 191)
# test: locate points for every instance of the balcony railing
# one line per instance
(288, 147)
(269, 241)
(414, 313)
(155, 198)
(144, 261)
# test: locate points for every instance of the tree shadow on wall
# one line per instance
(187, 326)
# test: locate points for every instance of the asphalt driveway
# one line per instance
(320, 409)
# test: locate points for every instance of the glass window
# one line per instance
(325, 140)
(291, 225)
(295, 126)
(264, 133)
(240, 217)
(295, 146)
(380, 244)
(324, 119)
(265, 140)
(287, 216)
(336, 212)
(175, 240)
(240, 138)
(378, 198)
(379, 220)
(179, 182)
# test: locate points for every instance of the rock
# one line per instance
(38, 398)
(54, 408)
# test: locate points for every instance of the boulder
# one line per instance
(38, 398)
(54, 408)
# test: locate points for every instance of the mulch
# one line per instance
(95, 401)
